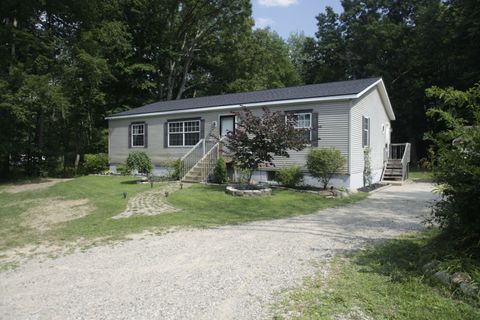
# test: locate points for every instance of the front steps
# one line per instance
(393, 171)
(195, 174)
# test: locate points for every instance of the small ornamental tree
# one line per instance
(367, 167)
(257, 139)
(139, 160)
(323, 164)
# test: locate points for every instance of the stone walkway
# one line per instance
(150, 203)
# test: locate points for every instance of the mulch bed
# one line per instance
(372, 187)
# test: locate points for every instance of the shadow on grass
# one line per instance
(130, 181)
(402, 259)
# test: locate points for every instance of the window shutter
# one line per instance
(165, 135)
(145, 135)
(363, 132)
(202, 129)
(314, 142)
(129, 136)
(368, 119)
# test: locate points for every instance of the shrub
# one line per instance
(455, 160)
(323, 164)
(95, 163)
(176, 165)
(139, 161)
(220, 172)
(122, 169)
(289, 176)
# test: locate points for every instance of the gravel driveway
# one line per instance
(225, 273)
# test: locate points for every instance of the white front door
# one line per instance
(227, 124)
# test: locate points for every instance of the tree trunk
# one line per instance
(5, 167)
(186, 69)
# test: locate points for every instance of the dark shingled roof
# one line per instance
(329, 89)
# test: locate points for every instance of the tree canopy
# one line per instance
(412, 44)
(65, 64)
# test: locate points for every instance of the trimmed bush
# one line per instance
(289, 176)
(95, 163)
(122, 169)
(139, 161)
(176, 165)
(220, 172)
(323, 164)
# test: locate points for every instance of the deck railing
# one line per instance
(401, 151)
(209, 161)
(205, 151)
(405, 161)
(191, 158)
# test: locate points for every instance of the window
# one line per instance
(365, 132)
(271, 175)
(304, 121)
(138, 135)
(183, 133)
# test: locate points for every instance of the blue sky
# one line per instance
(286, 16)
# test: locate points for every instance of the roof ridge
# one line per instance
(317, 90)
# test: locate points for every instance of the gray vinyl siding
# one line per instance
(371, 106)
(118, 137)
(333, 131)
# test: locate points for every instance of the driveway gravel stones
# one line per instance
(232, 272)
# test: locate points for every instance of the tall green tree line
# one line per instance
(412, 44)
(66, 64)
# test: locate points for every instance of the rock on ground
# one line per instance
(231, 272)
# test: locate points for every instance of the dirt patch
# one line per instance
(41, 184)
(50, 211)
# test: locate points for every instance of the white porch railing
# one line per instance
(399, 153)
(206, 153)
(405, 161)
(209, 161)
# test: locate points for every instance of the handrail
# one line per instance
(188, 161)
(192, 149)
(199, 154)
(401, 153)
(405, 161)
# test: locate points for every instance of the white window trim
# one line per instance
(132, 135)
(183, 133)
(367, 145)
(309, 128)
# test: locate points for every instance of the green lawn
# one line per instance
(385, 282)
(201, 206)
(419, 173)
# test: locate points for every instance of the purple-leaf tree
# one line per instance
(257, 139)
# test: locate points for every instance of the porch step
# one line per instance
(392, 177)
(192, 179)
(393, 170)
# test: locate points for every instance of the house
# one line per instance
(347, 115)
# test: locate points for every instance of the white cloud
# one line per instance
(277, 3)
(263, 22)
